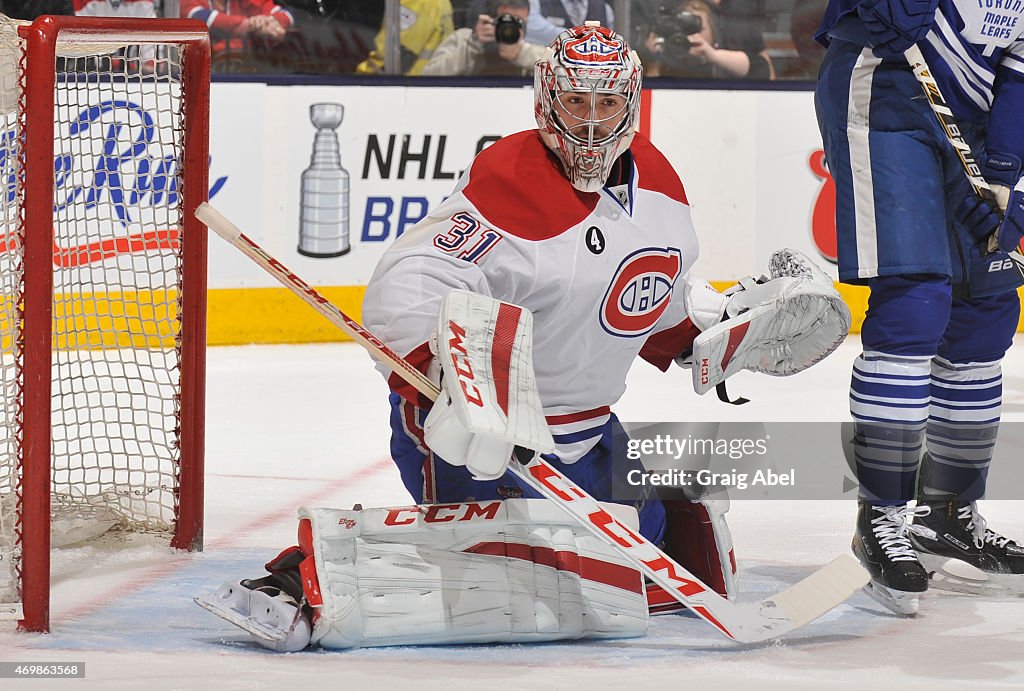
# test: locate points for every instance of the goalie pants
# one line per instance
(602, 471)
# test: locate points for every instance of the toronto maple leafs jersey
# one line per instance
(602, 273)
(976, 53)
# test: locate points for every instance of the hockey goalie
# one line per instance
(563, 254)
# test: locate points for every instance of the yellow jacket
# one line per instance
(424, 24)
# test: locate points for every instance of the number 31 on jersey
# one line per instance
(467, 239)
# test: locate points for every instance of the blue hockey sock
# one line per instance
(889, 397)
(962, 424)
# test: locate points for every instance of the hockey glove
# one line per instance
(1003, 217)
(779, 325)
(489, 402)
(895, 25)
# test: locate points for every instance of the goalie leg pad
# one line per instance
(698, 537)
(698, 532)
(511, 571)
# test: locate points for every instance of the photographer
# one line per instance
(549, 18)
(688, 40)
(495, 46)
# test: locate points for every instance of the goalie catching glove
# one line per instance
(489, 402)
(778, 325)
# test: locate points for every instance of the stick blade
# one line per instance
(805, 601)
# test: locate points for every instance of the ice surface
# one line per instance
(294, 425)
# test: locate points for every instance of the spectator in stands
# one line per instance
(327, 37)
(115, 8)
(548, 18)
(237, 24)
(30, 9)
(135, 61)
(423, 25)
(742, 27)
(688, 40)
(803, 24)
(495, 46)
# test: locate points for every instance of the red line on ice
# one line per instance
(266, 519)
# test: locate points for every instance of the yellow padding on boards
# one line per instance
(275, 315)
(238, 316)
(856, 298)
(144, 319)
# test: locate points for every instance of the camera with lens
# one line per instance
(674, 27)
(508, 29)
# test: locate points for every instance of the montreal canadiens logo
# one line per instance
(640, 291)
(593, 48)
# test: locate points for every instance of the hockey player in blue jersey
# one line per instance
(942, 309)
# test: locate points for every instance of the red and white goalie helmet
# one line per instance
(587, 101)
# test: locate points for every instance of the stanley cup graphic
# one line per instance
(323, 209)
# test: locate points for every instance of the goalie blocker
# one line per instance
(489, 402)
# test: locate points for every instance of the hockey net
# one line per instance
(104, 156)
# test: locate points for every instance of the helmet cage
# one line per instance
(589, 61)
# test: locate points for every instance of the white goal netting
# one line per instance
(116, 271)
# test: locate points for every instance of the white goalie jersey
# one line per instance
(602, 273)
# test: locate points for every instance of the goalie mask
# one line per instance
(587, 101)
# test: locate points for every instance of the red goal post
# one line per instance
(103, 320)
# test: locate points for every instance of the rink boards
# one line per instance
(751, 163)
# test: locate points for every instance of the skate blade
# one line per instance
(261, 631)
(896, 601)
(956, 576)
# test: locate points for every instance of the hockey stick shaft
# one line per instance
(217, 222)
(944, 114)
(751, 622)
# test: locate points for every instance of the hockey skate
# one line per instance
(961, 554)
(272, 616)
(882, 545)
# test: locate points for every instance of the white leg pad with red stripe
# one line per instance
(779, 325)
(517, 570)
(698, 537)
(489, 402)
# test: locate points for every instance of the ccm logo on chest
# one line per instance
(640, 291)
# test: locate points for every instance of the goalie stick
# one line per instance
(749, 622)
(944, 114)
